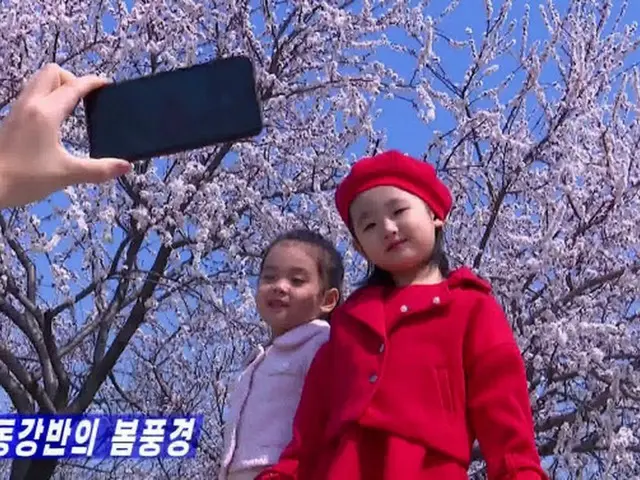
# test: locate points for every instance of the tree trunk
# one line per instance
(27, 469)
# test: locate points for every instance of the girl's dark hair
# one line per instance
(379, 277)
(329, 260)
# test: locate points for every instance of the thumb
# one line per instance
(91, 170)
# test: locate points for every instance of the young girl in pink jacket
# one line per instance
(299, 285)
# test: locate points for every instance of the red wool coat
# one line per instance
(408, 380)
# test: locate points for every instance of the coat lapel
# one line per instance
(367, 307)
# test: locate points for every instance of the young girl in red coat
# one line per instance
(420, 362)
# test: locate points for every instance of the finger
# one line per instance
(65, 76)
(64, 99)
(90, 170)
(44, 81)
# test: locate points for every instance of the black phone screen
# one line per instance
(174, 111)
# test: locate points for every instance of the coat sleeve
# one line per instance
(497, 397)
(308, 424)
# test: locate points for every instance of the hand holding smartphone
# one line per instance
(174, 111)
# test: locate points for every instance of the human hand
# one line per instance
(33, 161)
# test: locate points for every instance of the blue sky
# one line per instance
(404, 131)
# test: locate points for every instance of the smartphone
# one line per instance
(174, 111)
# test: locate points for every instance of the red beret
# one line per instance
(398, 170)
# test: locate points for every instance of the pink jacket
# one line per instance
(265, 398)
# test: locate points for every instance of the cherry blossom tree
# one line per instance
(138, 296)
